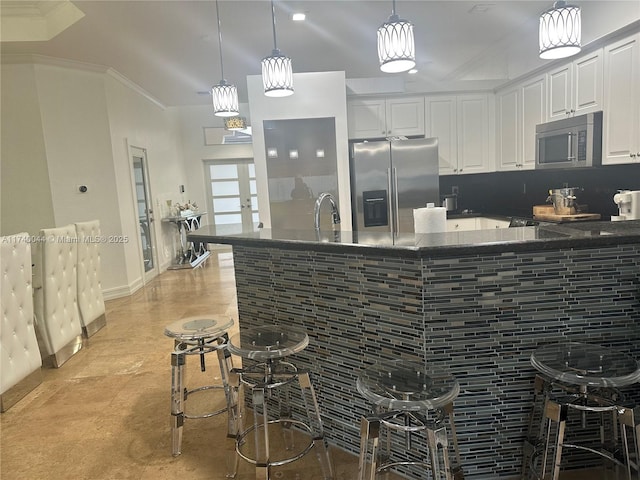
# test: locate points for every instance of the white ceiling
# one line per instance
(170, 48)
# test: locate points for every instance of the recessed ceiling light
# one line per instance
(413, 70)
(298, 17)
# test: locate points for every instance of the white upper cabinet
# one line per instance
(462, 124)
(441, 122)
(519, 109)
(377, 118)
(621, 123)
(576, 88)
(508, 119)
(533, 113)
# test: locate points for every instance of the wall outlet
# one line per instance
(454, 190)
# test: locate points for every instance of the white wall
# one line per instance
(25, 194)
(137, 121)
(64, 126)
(192, 120)
(317, 95)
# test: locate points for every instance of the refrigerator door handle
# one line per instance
(396, 205)
(392, 212)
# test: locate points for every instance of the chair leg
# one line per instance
(437, 441)
(177, 401)
(261, 422)
(555, 412)
(369, 430)
(284, 403)
(235, 420)
(315, 422)
(630, 417)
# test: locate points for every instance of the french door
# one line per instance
(232, 194)
(144, 212)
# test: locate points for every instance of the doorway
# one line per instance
(232, 194)
(144, 213)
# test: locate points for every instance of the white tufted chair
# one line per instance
(55, 296)
(20, 359)
(90, 300)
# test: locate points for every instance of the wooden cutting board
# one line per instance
(546, 212)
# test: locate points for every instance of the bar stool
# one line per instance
(269, 380)
(196, 336)
(583, 378)
(409, 398)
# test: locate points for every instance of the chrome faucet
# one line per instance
(335, 216)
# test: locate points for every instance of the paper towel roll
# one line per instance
(430, 219)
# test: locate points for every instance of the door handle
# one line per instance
(395, 194)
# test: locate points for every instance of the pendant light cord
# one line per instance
(220, 41)
(273, 22)
(393, 8)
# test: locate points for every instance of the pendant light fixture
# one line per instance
(277, 73)
(560, 31)
(224, 95)
(396, 47)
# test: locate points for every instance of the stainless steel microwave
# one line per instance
(570, 142)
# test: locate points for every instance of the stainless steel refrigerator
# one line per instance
(391, 178)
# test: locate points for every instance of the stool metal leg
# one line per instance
(369, 429)
(437, 441)
(554, 412)
(284, 405)
(630, 417)
(177, 401)
(233, 392)
(261, 419)
(540, 392)
(456, 470)
(315, 422)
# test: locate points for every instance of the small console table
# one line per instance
(188, 254)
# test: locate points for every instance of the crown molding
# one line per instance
(15, 59)
(135, 87)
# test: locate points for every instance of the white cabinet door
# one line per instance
(473, 134)
(559, 92)
(461, 124)
(486, 223)
(508, 121)
(441, 122)
(405, 116)
(366, 118)
(577, 87)
(621, 123)
(461, 224)
(375, 118)
(587, 88)
(533, 113)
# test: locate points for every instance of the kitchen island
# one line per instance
(476, 303)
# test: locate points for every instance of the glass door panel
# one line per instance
(232, 193)
(144, 211)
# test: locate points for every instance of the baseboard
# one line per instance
(122, 291)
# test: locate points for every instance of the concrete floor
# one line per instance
(105, 414)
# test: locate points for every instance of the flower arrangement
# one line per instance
(186, 209)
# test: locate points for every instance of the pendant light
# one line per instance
(224, 95)
(396, 47)
(560, 31)
(277, 73)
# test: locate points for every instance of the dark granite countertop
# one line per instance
(543, 237)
